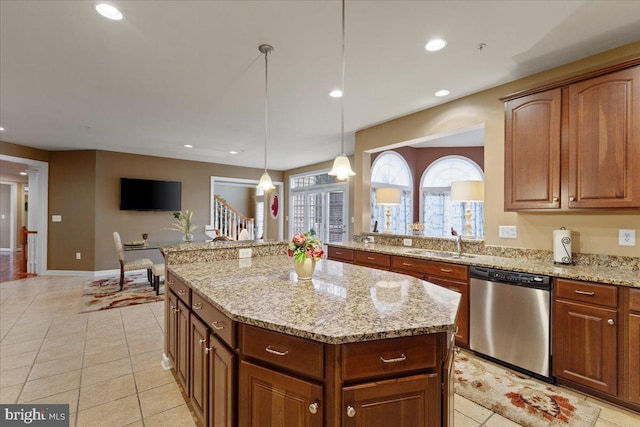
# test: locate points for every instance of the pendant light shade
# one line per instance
(265, 180)
(341, 166)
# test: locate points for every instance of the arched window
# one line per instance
(390, 169)
(439, 213)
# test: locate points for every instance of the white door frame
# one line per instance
(13, 220)
(38, 206)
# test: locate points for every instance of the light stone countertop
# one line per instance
(342, 303)
(616, 274)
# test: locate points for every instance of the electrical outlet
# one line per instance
(508, 232)
(407, 242)
(244, 253)
(627, 237)
(78, 255)
(56, 218)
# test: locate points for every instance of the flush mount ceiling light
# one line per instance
(337, 93)
(341, 167)
(442, 92)
(23, 173)
(108, 11)
(435, 45)
(265, 180)
(233, 152)
(1, 128)
(188, 146)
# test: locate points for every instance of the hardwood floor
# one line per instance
(9, 266)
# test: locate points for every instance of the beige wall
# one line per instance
(595, 233)
(15, 150)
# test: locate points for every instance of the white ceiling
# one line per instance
(189, 72)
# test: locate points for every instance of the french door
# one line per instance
(326, 211)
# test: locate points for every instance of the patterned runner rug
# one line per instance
(103, 294)
(517, 397)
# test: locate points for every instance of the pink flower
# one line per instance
(317, 252)
(298, 240)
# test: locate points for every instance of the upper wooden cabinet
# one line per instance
(575, 145)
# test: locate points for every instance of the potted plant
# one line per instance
(305, 249)
(184, 225)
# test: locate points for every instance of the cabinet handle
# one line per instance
(446, 270)
(181, 292)
(611, 322)
(351, 411)
(589, 294)
(555, 199)
(402, 358)
(215, 325)
(407, 264)
(202, 341)
(172, 307)
(313, 408)
(207, 350)
(197, 306)
(572, 199)
(338, 253)
(371, 258)
(170, 282)
(276, 352)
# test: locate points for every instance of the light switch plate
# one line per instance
(407, 242)
(508, 232)
(627, 237)
(244, 253)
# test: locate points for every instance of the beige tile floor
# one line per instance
(106, 364)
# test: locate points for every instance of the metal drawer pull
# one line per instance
(181, 292)
(589, 294)
(207, 350)
(371, 258)
(446, 270)
(202, 341)
(197, 306)
(611, 322)
(402, 358)
(276, 352)
(215, 325)
(338, 253)
(351, 411)
(313, 408)
(170, 282)
(407, 264)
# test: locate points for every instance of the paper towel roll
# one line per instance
(562, 246)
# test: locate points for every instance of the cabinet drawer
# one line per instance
(371, 359)
(373, 259)
(179, 288)
(340, 254)
(217, 321)
(634, 299)
(435, 268)
(592, 293)
(289, 352)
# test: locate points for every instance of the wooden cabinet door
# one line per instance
(604, 141)
(172, 334)
(199, 372)
(633, 368)
(222, 390)
(462, 321)
(585, 345)
(182, 366)
(532, 151)
(403, 402)
(272, 399)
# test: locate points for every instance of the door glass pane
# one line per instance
(336, 216)
(316, 214)
(297, 220)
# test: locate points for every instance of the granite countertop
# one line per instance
(615, 275)
(342, 303)
(210, 245)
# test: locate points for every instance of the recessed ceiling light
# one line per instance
(188, 146)
(108, 11)
(442, 92)
(23, 173)
(435, 45)
(233, 152)
(337, 93)
(1, 128)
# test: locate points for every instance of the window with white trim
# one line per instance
(390, 170)
(439, 214)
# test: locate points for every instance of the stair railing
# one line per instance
(229, 221)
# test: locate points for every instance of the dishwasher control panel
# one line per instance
(515, 277)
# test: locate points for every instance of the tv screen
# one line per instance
(150, 195)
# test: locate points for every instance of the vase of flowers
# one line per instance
(184, 225)
(305, 249)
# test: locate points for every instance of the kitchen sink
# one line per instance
(438, 254)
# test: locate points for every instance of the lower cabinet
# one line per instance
(632, 340)
(410, 402)
(462, 321)
(222, 384)
(199, 374)
(182, 362)
(273, 399)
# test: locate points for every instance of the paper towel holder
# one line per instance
(564, 257)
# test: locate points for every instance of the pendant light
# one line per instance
(341, 166)
(265, 180)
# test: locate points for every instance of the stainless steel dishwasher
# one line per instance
(510, 317)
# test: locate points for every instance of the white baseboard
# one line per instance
(166, 364)
(89, 274)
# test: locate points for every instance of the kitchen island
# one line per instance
(254, 346)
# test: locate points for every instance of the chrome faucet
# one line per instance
(458, 241)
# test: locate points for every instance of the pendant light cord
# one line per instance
(266, 110)
(342, 88)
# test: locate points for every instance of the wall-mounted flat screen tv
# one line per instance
(150, 195)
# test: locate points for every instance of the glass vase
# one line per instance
(187, 238)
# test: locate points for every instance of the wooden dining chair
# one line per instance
(133, 265)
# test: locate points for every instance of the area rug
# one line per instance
(103, 294)
(517, 397)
